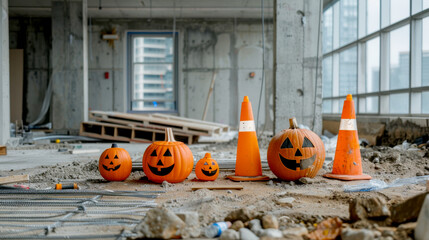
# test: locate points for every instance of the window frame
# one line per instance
(130, 35)
(383, 33)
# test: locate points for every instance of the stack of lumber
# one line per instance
(127, 127)
(3, 150)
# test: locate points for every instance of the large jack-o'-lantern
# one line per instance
(115, 164)
(295, 153)
(207, 168)
(168, 160)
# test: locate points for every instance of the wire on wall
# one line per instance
(263, 65)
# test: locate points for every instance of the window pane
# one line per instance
(348, 21)
(373, 65)
(425, 101)
(399, 103)
(327, 30)
(399, 9)
(327, 77)
(373, 15)
(425, 52)
(399, 57)
(348, 71)
(372, 104)
(327, 106)
(153, 49)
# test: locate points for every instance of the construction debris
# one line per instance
(160, 223)
(3, 150)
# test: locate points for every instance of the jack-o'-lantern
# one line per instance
(207, 168)
(115, 164)
(168, 160)
(295, 153)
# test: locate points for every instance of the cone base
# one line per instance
(348, 177)
(247, 179)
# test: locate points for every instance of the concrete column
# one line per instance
(4, 74)
(297, 63)
(69, 65)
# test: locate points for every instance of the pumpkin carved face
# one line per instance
(207, 168)
(115, 164)
(167, 160)
(295, 153)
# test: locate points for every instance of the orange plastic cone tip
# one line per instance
(347, 161)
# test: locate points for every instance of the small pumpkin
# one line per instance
(295, 153)
(168, 160)
(207, 168)
(115, 164)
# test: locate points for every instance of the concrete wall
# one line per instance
(34, 36)
(233, 48)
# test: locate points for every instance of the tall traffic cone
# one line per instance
(248, 163)
(347, 161)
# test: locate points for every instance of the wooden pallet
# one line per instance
(161, 121)
(122, 133)
(3, 150)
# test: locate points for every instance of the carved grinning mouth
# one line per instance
(293, 165)
(162, 171)
(111, 168)
(208, 173)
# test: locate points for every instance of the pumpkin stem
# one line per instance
(208, 155)
(114, 145)
(169, 136)
(293, 123)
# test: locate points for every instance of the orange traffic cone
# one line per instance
(347, 161)
(248, 162)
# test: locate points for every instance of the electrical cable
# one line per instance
(263, 65)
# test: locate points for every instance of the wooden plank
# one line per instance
(3, 150)
(218, 187)
(150, 120)
(224, 127)
(14, 179)
(81, 151)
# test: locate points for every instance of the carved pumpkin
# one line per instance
(207, 168)
(295, 153)
(115, 164)
(168, 160)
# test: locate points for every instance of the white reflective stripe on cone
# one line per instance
(348, 124)
(247, 126)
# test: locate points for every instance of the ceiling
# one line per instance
(153, 8)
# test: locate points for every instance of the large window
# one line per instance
(152, 72)
(377, 50)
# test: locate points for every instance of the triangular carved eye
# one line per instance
(107, 157)
(153, 154)
(307, 143)
(286, 144)
(116, 157)
(213, 163)
(206, 163)
(167, 153)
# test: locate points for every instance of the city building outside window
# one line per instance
(152, 71)
(377, 50)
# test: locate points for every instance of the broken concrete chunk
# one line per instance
(299, 231)
(242, 214)
(237, 225)
(357, 234)
(408, 210)
(247, 234)
(255, 226)
(192, 222)
(160, 223)
(287, 201)
(422, 231)
(270, 221)
(230, 234)
(374, 208)
(272, 233)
